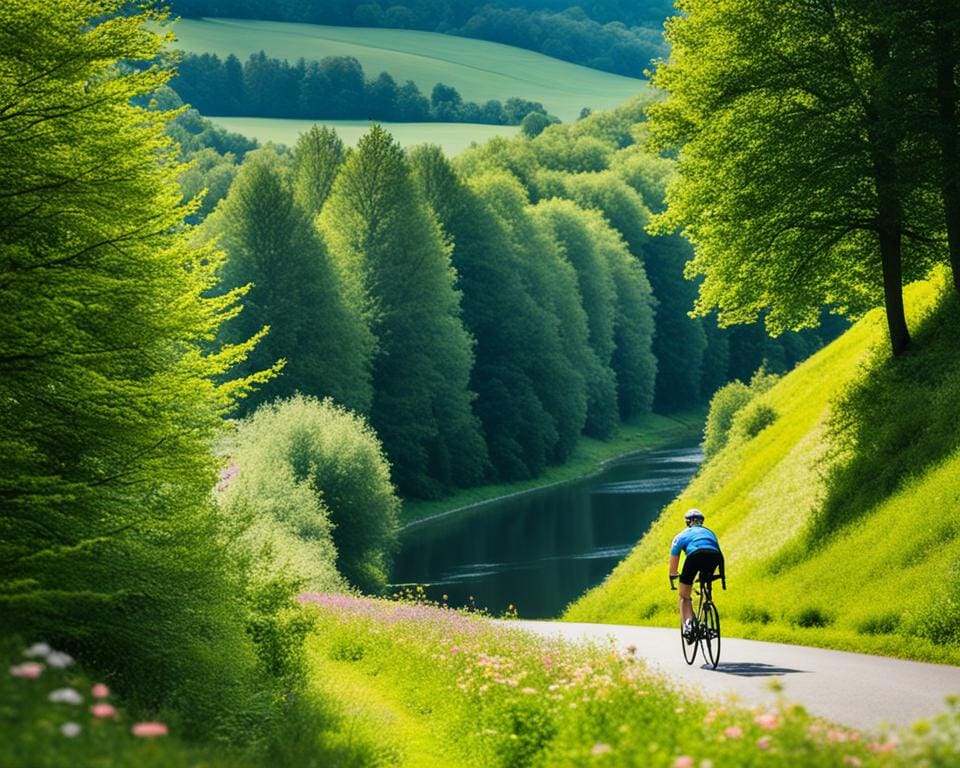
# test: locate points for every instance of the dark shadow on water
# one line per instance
(752, 669)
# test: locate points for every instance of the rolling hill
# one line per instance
(479, 70)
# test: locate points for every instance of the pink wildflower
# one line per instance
(763, 742)
(684, 761)
(733, 732)
(100, 691)
(768, 721)
(887, 746)
(144, 730)
(600, 749)
(455, 650)
(103, 710)
(29, 670)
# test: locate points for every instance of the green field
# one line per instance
(452, 137)
(479, 70)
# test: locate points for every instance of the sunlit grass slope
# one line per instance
(478, 69)
(838, 531)
(452, 137)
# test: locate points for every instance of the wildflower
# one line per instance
(37, 649)
(145, 730)
(29, 670)
(59, 660)
(856, 762)
(600, 749)
(763, 742)
(528, 690)
(733, 732)
(769, 721)
(455, 650)
(104, 710)
(100, 691)
(70, 730)
(684, 761)
(887, 746)
(65, 696)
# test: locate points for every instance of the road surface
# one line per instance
(852, 689)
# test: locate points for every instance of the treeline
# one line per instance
(598, 37)
(333, 88)
(484, 313)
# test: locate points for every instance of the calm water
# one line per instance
(542, 550)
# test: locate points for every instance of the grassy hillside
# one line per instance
(838, 520)
(453, 137)
(477, 69)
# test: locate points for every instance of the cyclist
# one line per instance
(703, 555)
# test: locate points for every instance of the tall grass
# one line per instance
(837, 518)
(445, 688)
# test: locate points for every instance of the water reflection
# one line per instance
(542, 550)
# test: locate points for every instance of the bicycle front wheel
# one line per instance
(710, 634)
(689, 649)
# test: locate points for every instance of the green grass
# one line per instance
(438, 687)
(452, 137)
(837, 520)
(479, 70)
(645, 433)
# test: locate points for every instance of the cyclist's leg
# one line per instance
(686, 602)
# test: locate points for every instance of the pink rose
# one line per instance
(103, 710)
(145, 730)
(29, 670)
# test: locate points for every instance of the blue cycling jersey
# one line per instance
(693, 538)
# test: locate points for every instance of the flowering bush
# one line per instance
(51, 716)
(504, 698)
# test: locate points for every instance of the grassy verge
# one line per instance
(646, 433)
(445, 686)
(836, 519)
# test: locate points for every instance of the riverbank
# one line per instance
(647, 433)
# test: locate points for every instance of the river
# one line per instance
(541, 550)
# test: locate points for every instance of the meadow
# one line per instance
(452, 137)
(838, 518)
(479, 70)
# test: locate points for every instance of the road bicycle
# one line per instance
(706, 619)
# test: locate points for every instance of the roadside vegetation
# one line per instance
(836, 516)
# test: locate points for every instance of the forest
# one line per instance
(598, 37)
(333, 88)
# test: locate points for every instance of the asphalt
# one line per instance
(871, 693)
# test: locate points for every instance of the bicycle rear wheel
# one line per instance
(710, 634)
(689, 650)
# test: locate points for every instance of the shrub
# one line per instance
(313, 473)
(724, 405)
(752, 419)
(753, 615)
(812, 616)
(885, 623)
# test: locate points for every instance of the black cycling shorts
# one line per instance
(704, 561)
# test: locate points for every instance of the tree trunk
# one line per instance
(882, 135)
(946, 90)
(890, 257)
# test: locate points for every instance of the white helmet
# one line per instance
(693, 515)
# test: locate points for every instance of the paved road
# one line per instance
(851, 689)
